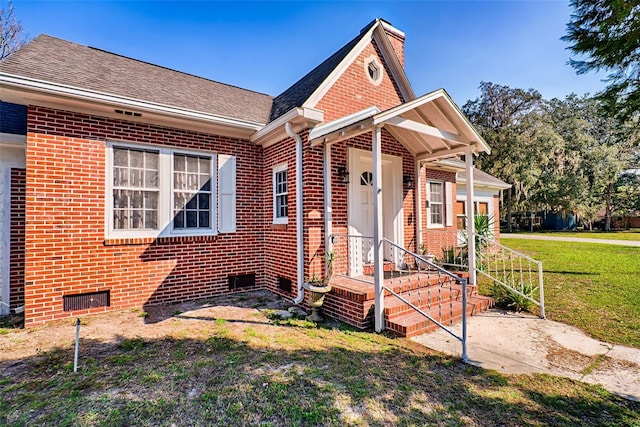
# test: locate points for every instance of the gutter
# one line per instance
(33, 85)
(299, 214)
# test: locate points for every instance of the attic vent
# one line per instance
(242, 281)
(373, 69)
(86, 301)
(128, 113)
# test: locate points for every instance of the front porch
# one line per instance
(379, 168)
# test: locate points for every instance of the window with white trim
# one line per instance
(280, 195)
(136, 189)
(192, 177)
(154, 192)
(435, 196)
(481, 209)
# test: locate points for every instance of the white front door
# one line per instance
(361, 207)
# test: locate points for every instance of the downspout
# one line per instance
(299, 213)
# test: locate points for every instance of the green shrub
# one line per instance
(508, 299)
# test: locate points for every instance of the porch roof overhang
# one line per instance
(430, 127)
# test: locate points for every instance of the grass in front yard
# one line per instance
(290, 373)
(633, 234)
(593, 286)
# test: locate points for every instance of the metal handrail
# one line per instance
(429, 263)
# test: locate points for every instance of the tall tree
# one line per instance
(504, 116)
(606, 35)
(12, 36)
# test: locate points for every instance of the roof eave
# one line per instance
(299, 117)
(31, 89)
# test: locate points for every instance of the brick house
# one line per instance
(125, 183)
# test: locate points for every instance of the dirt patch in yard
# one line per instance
(195, 319)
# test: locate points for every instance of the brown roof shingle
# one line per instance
(58, 61)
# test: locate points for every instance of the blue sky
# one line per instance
(267, 46)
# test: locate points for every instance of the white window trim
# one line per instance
(477, 200)
(275, 170)
(166, 195)
(444, 202)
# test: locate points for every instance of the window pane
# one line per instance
(203, 201)
(136, 199)
(192, 202)
(136, 158)
(205, 165)
(137, 219)
(178, 220)
(204, 219)
(136, 178)
(178, 163)
(205, 182)
(483, 208)
(151, 160)
(120, 177)
(179, 181)
(119, 219)
(151, 200)
(151, 179)
(192, 164)
(461, 207)
(179, 200)
(151, 219)
(192, 219)
(120, 157)
(192, 182)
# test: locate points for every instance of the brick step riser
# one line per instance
(424, 325)
(398, 308)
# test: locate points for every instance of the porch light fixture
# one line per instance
(407, 180)
(343, 174)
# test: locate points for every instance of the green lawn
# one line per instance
(633, 234)
(593, 286)
(287, 374)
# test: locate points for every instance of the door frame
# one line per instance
(392, 201)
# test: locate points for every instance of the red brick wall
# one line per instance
(66, 251)
(354, 91)
(435, 239)
(397, 42)
(16, 272)
(280, 240)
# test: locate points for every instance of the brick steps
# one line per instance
(352, 300)
(413, 323)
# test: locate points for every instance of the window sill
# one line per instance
(162, 240)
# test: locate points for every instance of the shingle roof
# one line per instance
(58, 61)
(301, 90)
(480, 176)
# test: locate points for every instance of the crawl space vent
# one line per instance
(86, 301)
(242, 281)
(284, 284)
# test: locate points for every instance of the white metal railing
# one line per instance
(511, 269)
(414, 280)
(515, 271)
(435, 301)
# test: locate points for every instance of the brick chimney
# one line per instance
(396, 37)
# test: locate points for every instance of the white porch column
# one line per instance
(328, 208)
(378, 258)
(417, 187)
(471, 241)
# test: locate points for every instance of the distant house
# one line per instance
(125, 183)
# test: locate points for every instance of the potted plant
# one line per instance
(422, 250)
(318, 289)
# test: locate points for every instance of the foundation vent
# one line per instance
(284, 284)
(242, 281)
(86, 301)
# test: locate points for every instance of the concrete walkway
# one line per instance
(570, 239)
(522, 344)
